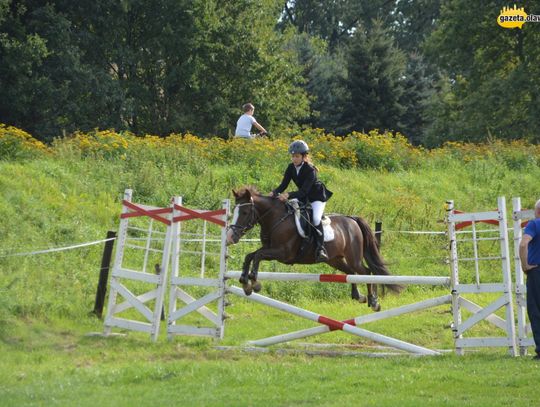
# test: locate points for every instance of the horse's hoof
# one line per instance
(243, 280)
(362, 299)
(247, 289)
(376, 307)
(256, 286)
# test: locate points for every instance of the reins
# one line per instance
(255, 218)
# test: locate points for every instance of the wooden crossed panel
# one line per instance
(211, 216)
(152, 213)
(469, 222)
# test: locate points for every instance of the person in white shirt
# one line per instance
(246, 121)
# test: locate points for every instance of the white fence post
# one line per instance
(223, 269)
(119, 255)
(507, 276)
(454, 275)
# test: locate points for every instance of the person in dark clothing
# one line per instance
(304, 174)
(529, 253)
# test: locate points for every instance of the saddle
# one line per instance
(303, 216)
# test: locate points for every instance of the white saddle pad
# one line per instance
(326, 222)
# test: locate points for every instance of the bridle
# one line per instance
(240, 230)
(254, 218)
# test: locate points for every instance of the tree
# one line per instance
(241, 58)
(45, 88)
(337, 24)
(493, 74)
(144, 48)
(418, 89)
(375, 81)
(413, 22)
(334, 21)
(327, 83)
(158, 67)
(324, 74)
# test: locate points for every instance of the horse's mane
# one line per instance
(248, 188)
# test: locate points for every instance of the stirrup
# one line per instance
(322, 256)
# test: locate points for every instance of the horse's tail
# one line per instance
(372, 255)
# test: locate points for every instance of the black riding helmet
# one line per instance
(298, 147)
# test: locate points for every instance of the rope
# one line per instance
(57, 249)
(412, 232)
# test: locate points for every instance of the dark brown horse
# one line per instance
(354, 242)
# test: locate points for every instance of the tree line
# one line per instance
(434, 70)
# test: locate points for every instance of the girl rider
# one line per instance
(304, 174)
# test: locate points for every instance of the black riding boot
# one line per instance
(321, 254)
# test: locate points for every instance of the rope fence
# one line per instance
(215, 239)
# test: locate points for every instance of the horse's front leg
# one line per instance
(244, 277)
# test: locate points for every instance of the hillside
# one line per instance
(71, 194)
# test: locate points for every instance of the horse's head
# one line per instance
(244, 215)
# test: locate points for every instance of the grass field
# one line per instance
(47, 357)
(53, 362)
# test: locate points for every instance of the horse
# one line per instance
(354, 242)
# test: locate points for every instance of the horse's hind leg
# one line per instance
(359, 268)
(355, 294)
(373, 300)
(341, 265)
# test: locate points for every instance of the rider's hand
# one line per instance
(283, 197)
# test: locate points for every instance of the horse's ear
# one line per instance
(235, 193)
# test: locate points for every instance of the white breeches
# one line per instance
(318, 209)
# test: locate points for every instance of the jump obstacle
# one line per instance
(136, 298)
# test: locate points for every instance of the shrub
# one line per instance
(18, 144)
(105, 144)
(384, 151)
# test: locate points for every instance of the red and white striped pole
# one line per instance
(363, 319)
(347, 278)
(332, 323)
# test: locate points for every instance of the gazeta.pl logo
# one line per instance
(515, 17)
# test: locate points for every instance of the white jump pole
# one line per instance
(395, 343)
(342, 278)
(304, 333)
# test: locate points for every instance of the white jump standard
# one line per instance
(456, 220)
(122, 276)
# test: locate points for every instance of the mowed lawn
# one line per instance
(58, 363)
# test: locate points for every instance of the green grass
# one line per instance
(47, 359)
(54, 363)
